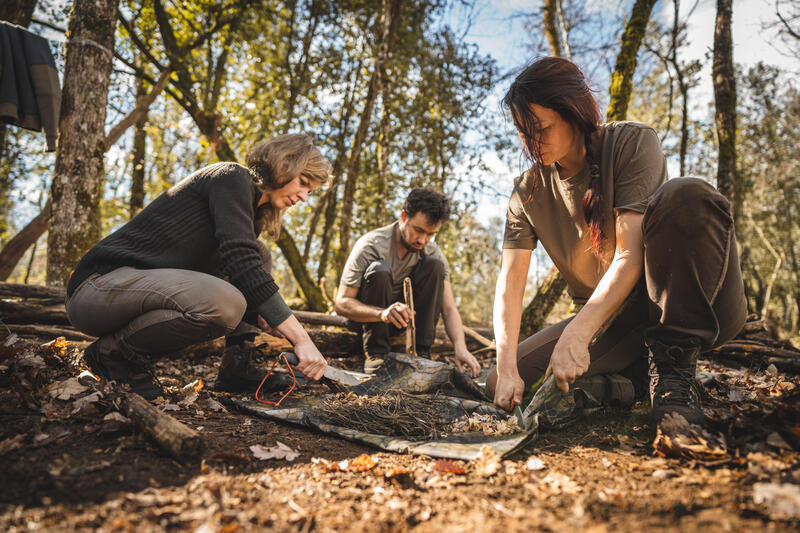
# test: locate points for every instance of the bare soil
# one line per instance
(68, 470)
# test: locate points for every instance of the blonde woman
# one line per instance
(189, 267)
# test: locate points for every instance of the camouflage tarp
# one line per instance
(426, 378)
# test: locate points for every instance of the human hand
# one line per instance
(398, 314)
(311, 364)
(569, 361)
(464, 360)
(507, 390)
(266, 328)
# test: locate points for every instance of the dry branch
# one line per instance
(182, 442)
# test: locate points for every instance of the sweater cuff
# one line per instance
(274, 310)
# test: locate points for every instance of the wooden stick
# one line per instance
(478, 337)
(182, 442)
(411, 330)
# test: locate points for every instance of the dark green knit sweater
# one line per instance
(204, 223)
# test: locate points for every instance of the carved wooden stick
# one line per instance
(411, 330)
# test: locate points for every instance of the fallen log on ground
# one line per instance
(40, 330)
(182, 442)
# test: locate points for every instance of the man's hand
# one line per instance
(311, 364)
(508, 389)
(464, 360)
(569, 361)
(269, 330)
(398, 314)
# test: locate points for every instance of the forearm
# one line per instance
(293, 331)
(614, 287)
(507, 315)
(357, 311)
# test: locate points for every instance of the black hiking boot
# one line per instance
(238, 372)
(116, 367)
(673, 388)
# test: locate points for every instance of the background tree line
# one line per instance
(396, 97)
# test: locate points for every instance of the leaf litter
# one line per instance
(596, 473)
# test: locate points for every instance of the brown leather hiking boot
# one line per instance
(673, 388)
(238, 372)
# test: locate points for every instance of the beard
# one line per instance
(406, 244)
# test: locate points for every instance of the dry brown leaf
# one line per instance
(279, 451)
(362, 463)
(447, 465)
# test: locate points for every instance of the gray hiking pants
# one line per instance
(692, 286)
(154, 311)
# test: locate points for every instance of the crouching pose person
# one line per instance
(189, 268)
(654, 260)
(372, 283)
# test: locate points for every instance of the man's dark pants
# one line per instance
(427, 285)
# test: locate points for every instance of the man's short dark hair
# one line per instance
(433, 203)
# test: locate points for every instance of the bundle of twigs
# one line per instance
(394, 413)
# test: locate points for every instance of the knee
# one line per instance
(378, 272)
(687, 204)
(433, 265)
(226, 305)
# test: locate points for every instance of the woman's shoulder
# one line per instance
(626, 127)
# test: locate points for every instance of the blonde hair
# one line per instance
(277, 161)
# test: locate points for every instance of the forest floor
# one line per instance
(74, 465)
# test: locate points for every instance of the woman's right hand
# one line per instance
(507, 389)
(311, 364)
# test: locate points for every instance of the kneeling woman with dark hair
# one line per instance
(655, 261)
(156, 284)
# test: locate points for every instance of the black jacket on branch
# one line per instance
(30, 94)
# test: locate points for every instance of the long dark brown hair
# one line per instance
(558, 84)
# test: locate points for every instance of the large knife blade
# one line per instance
(331, 372)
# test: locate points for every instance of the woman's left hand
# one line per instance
(569, 361)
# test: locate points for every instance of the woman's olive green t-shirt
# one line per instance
(632, 167)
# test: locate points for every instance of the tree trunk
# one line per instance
(79, 173)
(311, 291)
(534, 316)
(389, 17)
(622, 79)
(136, 202)
(725, 105)
(550, 29)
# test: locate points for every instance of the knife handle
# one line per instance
(291, 358)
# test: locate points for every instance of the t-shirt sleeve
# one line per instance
(639, 168)
(519, 233)
(359, 259)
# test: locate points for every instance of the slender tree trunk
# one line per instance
(550, 29)
(391, 9)
(79, 173)
(622, 79)
(136, 202)
(312, 294)
(725, 105)
(550, 291)
(553, 284)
